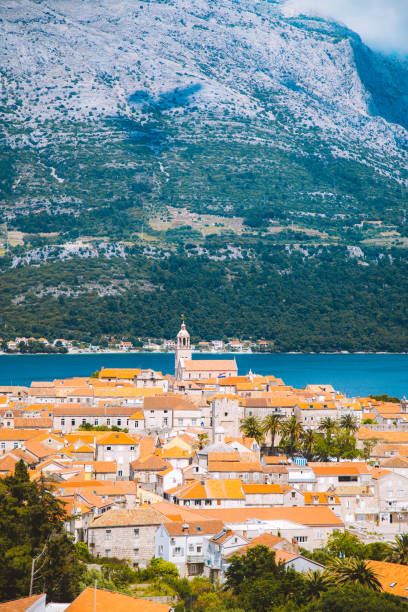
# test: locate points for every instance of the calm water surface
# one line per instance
(355, 374)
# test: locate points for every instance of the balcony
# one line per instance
(195, 559)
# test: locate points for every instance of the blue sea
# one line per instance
(354, 374)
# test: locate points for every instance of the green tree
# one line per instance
(399, 549)
(271, 425)
(343, 544)
(354, 571)
(32, 520)
(316, 583)
(349, 423)
(292, 432)
(308, 442)
(202, 440)
(328, 426)
(257, 562)
(368, 446)
(251, 427)
(356, 599)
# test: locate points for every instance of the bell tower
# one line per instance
(183, 348)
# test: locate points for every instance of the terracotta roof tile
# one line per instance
(210, 365)
(122, 518)
(391, 574)
(177, 528)
(20, 605)
(305, 515)
(113, 602)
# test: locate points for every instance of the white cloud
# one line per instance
(382, 24)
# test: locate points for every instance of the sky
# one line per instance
(382, 24)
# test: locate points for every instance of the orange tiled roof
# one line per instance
(391, 574)
(18, 434)
(399, 437)
(122, 518)
(20, 605)
(119, 373)
(305, 515)
(265, 539)
(178, 528)
(234, 466)
(322, 498)
(169, 401)
(113, 602)
(117, 438)
(210, 365)
(210, 489)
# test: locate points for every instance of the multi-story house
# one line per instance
(119, 447)
(186, 544)
(69, 417)
(125, 534)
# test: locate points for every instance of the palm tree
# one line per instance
(316, 583)
(308, 440)
(202, 441)
(354, 571)
(327, 425)
(349, 423)
(251, 427)
(399, 549)
(272, 425)
(292, 431)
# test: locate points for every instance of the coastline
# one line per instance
(107, 352)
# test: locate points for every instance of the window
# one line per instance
(96, 421)
(225, 413)
(136, 423)
(136, 551)
(72, 421)
(15, 444)
(348, 478)
(179, 421)
(136, 532)
(165, 421)
(62, 421)
(199, 549)
(160, 549)
(3, 445)
(120, 473)
(119, 422)
(194, 421)
(107, 552)
(108, 534)
(190, 548)
(178, 551)
(83, 422)
(127, 421)
(108, 421)
(108, 448)
(301, 538)
(132, 448)
(197, 502)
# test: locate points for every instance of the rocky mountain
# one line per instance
(206, 129)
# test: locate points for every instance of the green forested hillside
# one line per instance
(324, 303)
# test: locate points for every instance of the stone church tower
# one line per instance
(183, 348)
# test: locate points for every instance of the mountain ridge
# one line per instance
(165, 131)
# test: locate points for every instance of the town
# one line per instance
(203, 466)
(112, 345)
